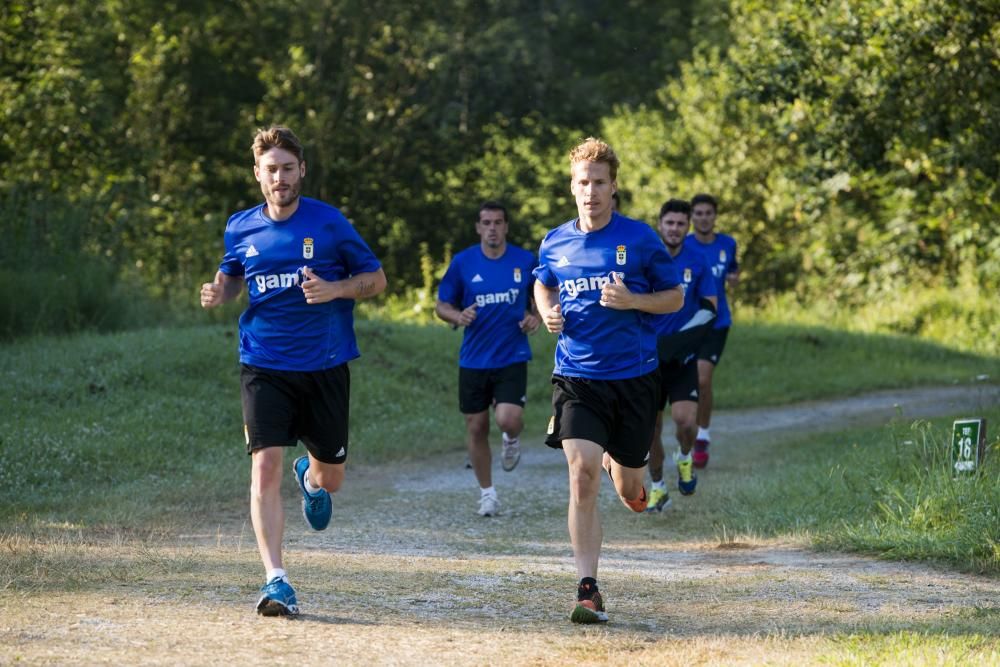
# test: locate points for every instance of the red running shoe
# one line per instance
(700, 455)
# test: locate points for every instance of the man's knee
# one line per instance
(266, 470)
(509, 418)
(328, 476)
(584, 484)
(630, 484)
(478, 425)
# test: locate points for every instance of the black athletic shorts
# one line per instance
(282, 407)
(478, 388)
(712, 346)
(619, 415)
(678, 382)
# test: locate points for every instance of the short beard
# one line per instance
(292, 195)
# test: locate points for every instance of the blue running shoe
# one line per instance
(277, 599)
(318, 507)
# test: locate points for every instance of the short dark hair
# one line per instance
(702, 198)
(276, 136)
(493, 205)
(675, 206)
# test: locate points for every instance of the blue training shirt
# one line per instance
(500, 288)
(697, 281)
(279, 330)
(599, 342)
(721, 256)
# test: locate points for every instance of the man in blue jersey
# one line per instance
(304, 266)
(487, 290)
(600, 278)
(679, 335)
(720, 251)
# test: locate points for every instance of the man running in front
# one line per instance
(304, 266)
(600, 278)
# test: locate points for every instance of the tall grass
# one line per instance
(962, 316)
(890, 492)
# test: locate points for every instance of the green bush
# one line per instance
(84, 294)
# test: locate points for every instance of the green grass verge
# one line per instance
(773, 364)
(888, 492)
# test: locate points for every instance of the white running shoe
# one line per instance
(489, 505)
(511, 453)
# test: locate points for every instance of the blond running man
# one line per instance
(600, 278)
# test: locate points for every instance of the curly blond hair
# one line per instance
(595, 150)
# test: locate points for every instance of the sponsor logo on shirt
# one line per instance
(275, 281)
(307, 248)
(477, 278)
(510, 296)
(585, 284)
(563, 261)
(251, 251)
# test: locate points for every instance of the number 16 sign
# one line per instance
(968, 442)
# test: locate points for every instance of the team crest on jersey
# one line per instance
(687, 275)
(722, 255)
(307, 248)
(620, 256)
(517, 274)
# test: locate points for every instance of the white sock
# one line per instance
(703, 434)
(679, 456)
(488, 491)
(277, 572)
(659, 485)
(310, 489)
(509, 440)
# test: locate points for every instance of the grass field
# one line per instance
(102, 418)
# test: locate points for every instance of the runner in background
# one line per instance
(679, 335)
(487, 290)
(720, 252)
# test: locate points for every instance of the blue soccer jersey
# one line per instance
(721, 256)
(599, 342)
(279, 330)
(500, 288)
(697, 281)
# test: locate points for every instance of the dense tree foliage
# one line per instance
(142, 113)
(854, 144)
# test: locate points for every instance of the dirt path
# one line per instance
(408, 574)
